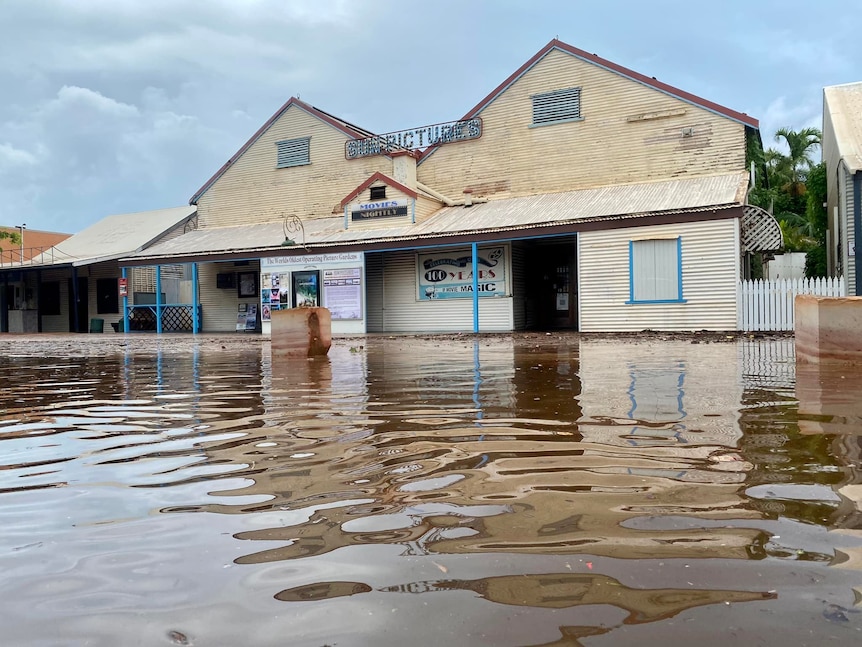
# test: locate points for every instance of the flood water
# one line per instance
(513, 490)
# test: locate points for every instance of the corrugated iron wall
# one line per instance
(849, 230)
(374, 314)
(521, 318)
(709, 279)
(404, 313)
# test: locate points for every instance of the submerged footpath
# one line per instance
(101, 345)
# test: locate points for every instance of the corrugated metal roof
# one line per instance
(511, 214)
(844, 103)
(113, 237)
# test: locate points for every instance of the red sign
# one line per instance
(124, 287)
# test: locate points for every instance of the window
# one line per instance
(655, 271)
(557, 106)
(293, 152)
(378, 193)
(107, 296)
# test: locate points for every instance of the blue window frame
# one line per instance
(655, 271)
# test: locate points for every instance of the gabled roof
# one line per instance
(352, 131)
(378, 176)
(844, 104)
(612, 67)
(113, 237)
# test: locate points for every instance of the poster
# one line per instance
(448, 274)
(251, 317)
(306, 289)
(342, 292)
(240, 316)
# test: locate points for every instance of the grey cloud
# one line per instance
(125, 105)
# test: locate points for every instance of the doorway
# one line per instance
(553, 276)
(78, 316)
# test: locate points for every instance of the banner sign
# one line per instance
(414, 139)
(311, 259)
(448, 274)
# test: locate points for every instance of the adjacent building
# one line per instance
(76, 284)
(842, 152)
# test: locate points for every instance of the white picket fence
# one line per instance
(768, 304)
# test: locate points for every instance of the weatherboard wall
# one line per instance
(60, 322)
(219, 305)
(710, 271)
(254, 190)
(629, 132)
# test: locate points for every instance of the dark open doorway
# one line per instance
(79, 313)
(553, 282)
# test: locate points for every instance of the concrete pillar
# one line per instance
(828, 329)
(301, 332)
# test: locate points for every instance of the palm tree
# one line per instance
(791, 170)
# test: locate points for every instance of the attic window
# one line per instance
(378, 193)
(556, 107)
(292, 152)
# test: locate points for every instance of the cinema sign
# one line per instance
(414, 139)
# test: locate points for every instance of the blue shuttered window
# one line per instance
(557, 106)
(655, 271)
(293, 152)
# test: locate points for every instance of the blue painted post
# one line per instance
(159, 299)
(475, 288)
(126, 304)
(196, 323)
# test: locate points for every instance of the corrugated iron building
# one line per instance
(577, 195)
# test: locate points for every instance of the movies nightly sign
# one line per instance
(414, 139)
(380, 209)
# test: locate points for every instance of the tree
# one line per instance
(11, 235)
(793, 189)
(791, 170)
(816, 220)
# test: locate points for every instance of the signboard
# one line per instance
(448, 274)
(124, 287)
(414, 139)
(381, 209)
(342, 292)
(311, 259)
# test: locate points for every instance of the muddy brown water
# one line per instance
(498, 490)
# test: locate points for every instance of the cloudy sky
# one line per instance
(117, 106)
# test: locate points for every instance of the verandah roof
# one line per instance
(628, 201)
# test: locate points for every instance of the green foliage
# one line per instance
(793, 189)
(13, 236)
(815, 209)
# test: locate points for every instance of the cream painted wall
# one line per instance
(629, 133)
(254, 190)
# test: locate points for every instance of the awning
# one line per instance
(112, 237)
(695, 197)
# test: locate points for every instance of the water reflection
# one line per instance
(600, 487)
